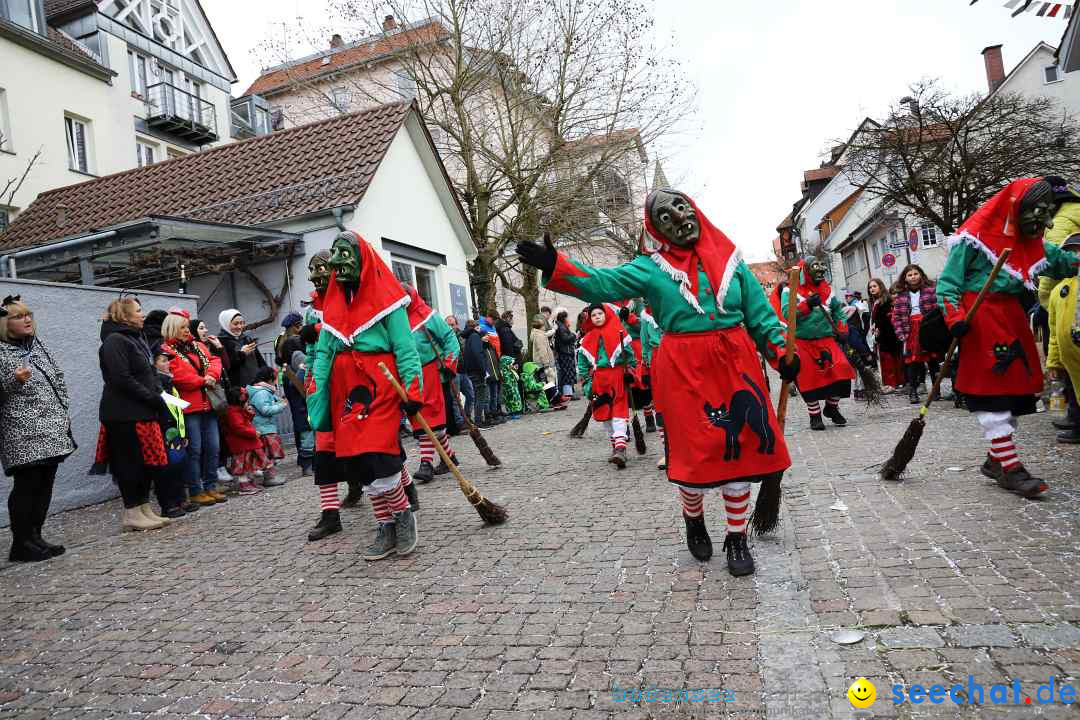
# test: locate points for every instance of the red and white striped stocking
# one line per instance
(427, 449)
(693, 502)
(814, 408)
(736, 505)
(328, 497)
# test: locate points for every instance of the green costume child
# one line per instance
(510, 396)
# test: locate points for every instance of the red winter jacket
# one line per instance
(189, 374)
(240, 435)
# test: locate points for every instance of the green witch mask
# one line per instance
(345, 258)
(319, 270)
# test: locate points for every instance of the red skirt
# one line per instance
(722, 427)
(610, 381)
(324, 442)
(434, 410)
(913, 350)
(824, 370)
(892, 369)
(271, 445)
(998, 356)
(247, 462)
(365, 410)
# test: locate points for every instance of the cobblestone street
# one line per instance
(232, 613)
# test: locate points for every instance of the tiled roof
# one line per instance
(822, 173)
(284, 174)
(59, 8)
(349, 55)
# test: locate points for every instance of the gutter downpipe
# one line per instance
(7, 262)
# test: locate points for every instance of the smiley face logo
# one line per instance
(862, 693)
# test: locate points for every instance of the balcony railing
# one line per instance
(180, 113)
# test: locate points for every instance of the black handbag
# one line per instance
(934, 335)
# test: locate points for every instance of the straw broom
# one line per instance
(579, 429)
(489, 512)
(474, 432)
(894, 467)
(789, 346)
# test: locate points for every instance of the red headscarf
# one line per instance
(808, 287)
(996, 226)
(419, 311)
(713, 250)
(379, 293)
(612, 332)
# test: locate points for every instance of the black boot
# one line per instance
(698, 541)
(913, 395)
(912, 373)
(833, 413)
(1018, 480)
(442, 468)
(24, 549)
(816, 423)
(42, 500)
(53, 550)
(329, 523)
(1066, 423)
(1070, 437)
(414, 498)
(352, 497)
(650, 423)
(424, 474)
(739, 561)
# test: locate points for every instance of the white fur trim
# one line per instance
(403, 302)
(588, 356)
(725, 280)
(649, 319)
(973, 241)
(681, 279)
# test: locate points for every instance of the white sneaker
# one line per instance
(661, 464)
(223, 475)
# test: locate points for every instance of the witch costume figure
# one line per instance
(707, 380)
(1000, 373)
(365, 323)
(632, 316)
(439, 350)
(605, 363)
(826, 373)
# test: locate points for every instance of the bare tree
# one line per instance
(941, 155)
(12, 185)
(533, 105)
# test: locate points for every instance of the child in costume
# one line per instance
(510, 395)
(533, 377)
(1066, 224)
(915, 298)
(707, 380)
(1063, 360)
(651, 334)
(605, 364)
(267, 406)
(365, 323)
(169, 480)
(826, 374)
(1000, 374)
(641, 390)
(438, 347)
(246, 455)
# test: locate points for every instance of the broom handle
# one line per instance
(453, 382)
(945, 366)
(789, 345)
(464, 484)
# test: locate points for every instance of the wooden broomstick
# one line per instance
(871, 385)
(474, 432)
(639, 435)
(789, 345)
(894, 467)
(489, 512)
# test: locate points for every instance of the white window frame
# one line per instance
(1057, 75)
(412, 265)
(7, 143)
(145, 153)
(928, 235)
(341, 99)
(851, 261)
(78, 162)
(137, 66)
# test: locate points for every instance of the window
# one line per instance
(928, 234)
(137, 70)
(1052, 74)
(5, 219)
(22, 12)
(406, 86)
(851, 262)
(77, 144)
(340, 98)
(5, 125)
(420, 277)
(145, 153)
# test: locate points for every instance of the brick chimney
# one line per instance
(995, 67)
(336, 41)
(389, 24)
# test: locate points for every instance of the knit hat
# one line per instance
(1063, 191)
(291, 319)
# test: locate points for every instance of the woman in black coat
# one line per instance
(565, 354)
(131, 403)
(244, 359)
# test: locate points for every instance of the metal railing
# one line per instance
(180, 111)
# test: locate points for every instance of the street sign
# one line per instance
(899, 243)
(888, 260)
(913, 239)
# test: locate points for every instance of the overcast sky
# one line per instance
(777, 81)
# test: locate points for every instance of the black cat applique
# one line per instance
(824, 360)
(360, 398)
(1006, 353)
(745, 408)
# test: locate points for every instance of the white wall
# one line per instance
(1029, 80)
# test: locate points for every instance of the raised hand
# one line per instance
(537, 255)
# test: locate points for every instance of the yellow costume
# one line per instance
(1064, 353)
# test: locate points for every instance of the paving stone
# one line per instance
(910, 637)
(980, 636)
(1051, 636)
